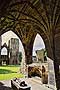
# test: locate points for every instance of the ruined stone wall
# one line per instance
(14, 51)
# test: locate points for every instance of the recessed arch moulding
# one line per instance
(48, 45)
(29, 17)
(27, 36)
(24, 19)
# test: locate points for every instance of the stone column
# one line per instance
(28, 54)
(49, 49)
(56, 68)
(57, 59)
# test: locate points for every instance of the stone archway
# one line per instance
(40, 16)
(28, 24)
(15, 47)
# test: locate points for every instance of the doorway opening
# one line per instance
(42, 66)
(11, 56)
(39, 48)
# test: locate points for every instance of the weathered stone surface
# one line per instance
(27, 18)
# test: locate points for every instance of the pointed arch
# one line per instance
(7, 36)
(4, 51)
(38, 43)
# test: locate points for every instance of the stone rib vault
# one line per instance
(26, 18)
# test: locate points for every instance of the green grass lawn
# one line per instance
(10, 72)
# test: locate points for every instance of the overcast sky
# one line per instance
(38, 43)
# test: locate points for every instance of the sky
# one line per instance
(38, 43)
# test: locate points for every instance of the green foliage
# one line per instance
(20, 57)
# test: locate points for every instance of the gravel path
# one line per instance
(35, 84)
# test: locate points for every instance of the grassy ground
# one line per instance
(9, 72)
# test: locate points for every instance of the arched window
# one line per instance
(4, 51)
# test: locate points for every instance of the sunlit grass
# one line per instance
(10, 72)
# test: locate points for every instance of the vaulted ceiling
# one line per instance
(29, 17)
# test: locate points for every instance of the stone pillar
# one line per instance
(24, 66)
(57, 60)
(28, 52)
(28, 55)
(7, 56)
(56, 68)
(49, 49)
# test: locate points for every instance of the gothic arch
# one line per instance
(14, 39)
(38, 43)
(22, 14)
(41, 14)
